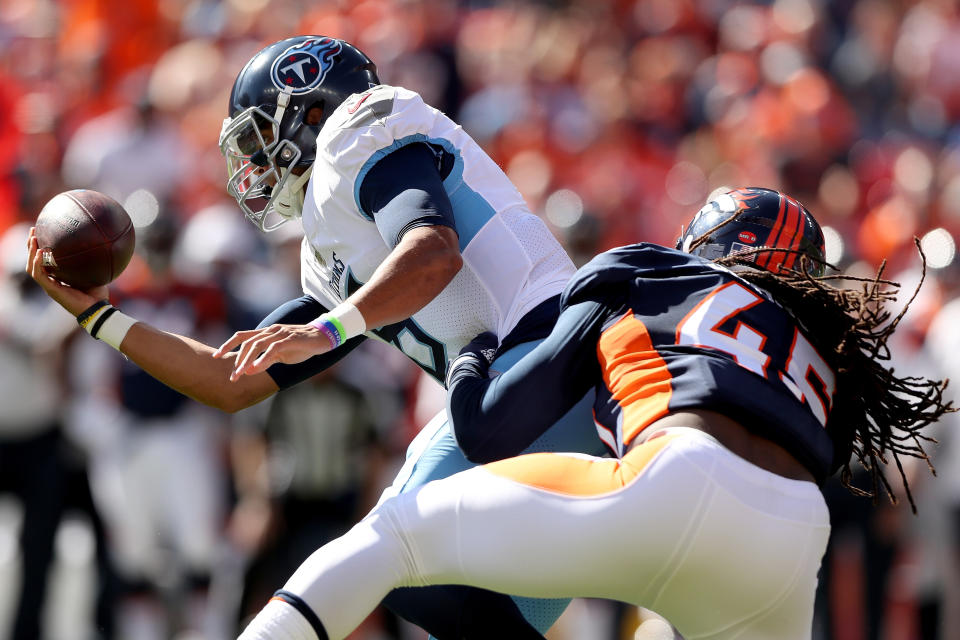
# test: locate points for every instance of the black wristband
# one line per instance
(89, 311)
(297, 603)
(99, 323)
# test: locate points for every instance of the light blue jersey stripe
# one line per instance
(470, 210)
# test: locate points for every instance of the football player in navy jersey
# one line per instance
(731, 380)
(412, 236)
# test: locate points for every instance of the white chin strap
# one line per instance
(289, 201)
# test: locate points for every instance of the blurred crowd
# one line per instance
(615, 118)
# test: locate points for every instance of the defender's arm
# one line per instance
(494, 418)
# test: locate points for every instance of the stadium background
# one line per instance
(615, 118)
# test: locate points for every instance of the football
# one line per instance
(86, 238)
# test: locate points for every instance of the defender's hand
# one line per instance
(474, 359)
(483, 346)
(73, 300)
(261, 348)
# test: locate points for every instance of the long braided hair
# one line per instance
(877, 415)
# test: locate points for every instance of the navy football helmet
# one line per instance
(757, 218)
(280, 100)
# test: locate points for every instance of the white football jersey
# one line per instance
(511, 260)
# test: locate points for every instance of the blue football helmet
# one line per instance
(280, 100)
(759, 218)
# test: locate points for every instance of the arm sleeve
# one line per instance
(493, 418)
(404, 190)
(301, 311)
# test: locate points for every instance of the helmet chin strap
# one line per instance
(283, 99)
(289, 200)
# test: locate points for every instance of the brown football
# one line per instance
(86, 238)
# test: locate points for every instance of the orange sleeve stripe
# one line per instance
(635, 373)
(579, 475)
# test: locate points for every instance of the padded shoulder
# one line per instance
(369, 122)
(364, 109)
(615, 267)
(365, 128)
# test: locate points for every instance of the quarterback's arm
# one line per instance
(403, 193)
(414, 273)
(183, 363)
(300, 311)
(189, 366)
(494, 418)
(180, 362)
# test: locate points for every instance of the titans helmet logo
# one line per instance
(303, 67)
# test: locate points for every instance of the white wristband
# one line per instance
(114, 329)
(351, 319)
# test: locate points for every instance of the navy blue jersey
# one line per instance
(655, 330)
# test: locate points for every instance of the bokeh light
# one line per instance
(939, 247)
(143, 207)
(563, 208)
(834, 247)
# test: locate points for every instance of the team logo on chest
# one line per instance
(304, 66)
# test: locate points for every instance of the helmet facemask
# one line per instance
(278, 105)
(259, 166)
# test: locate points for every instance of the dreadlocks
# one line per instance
(876, 413)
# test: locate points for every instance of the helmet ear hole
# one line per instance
(314, 114)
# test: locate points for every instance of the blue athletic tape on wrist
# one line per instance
(304, 609)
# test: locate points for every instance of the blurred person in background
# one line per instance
(32, 464)
(304, 474)
(158, 459)
(935, 540)
(126, 150)
(310, 461)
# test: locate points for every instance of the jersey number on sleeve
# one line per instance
(803, 372)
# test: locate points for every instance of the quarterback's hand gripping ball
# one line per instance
(86, 239)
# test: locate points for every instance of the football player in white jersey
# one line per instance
(412, 235)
